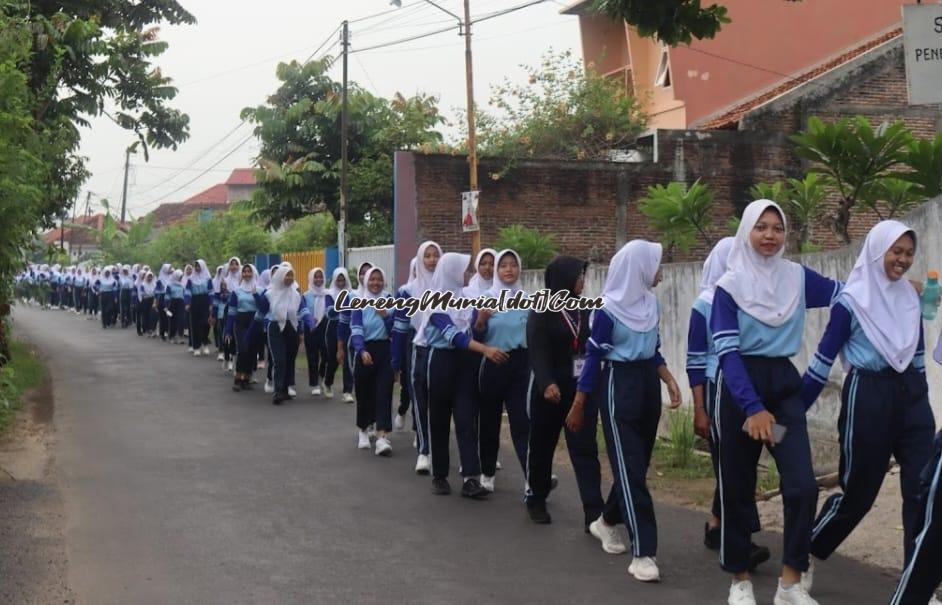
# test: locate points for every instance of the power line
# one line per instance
(507, 11)
(404, 40)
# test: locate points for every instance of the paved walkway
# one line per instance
(178, 490)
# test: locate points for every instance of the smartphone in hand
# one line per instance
(778, 431)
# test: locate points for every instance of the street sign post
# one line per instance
(922, 41)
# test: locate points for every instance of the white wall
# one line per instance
(680, 288)
(379, 256)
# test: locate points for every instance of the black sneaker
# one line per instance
(440, 487)
(538, 513)
(758, 555)
(246, 385)
(711, 537)
(278, 398)
(472, 489)
(237, 386)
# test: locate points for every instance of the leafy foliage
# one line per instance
(564, 112)
(535, 249)
(299, 163)
(803, 202)
(307, 233)
(854, 157)
(680, 214)
(924, 157)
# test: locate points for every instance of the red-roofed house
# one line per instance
(238, 187)
(81, 238)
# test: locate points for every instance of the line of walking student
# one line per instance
(565, 372)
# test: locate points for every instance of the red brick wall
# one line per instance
(577, 201)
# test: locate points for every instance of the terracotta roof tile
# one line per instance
(731, 116)
(217, 195)
(242, 176)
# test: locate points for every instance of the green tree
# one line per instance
(308, 233)
(536, 250)
(854, 157)
(924, 157)
(805, 205)
(299, 163)
(892, 197)
(672, 21)
(564, 112)
(680, 214)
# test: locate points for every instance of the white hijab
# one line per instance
(423, 278)
(218, 279)
(413, 264)
(284, 300)
(627, 293)
(361, 283)
(165, 273)
(768, 289)
(334, 291)
(449, 277)
(497, 285)
(233, 278)
(888, 311)
(176, 277)
(478, 285)
(366, 282)
(148, 287)
(263, 280)
(201, 274)
(319, 293)
(714, 268)
(250, 285)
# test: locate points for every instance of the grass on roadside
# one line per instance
(24, 371)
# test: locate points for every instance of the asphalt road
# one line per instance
(177, 490)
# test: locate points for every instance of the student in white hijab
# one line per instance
(371, 332)
(314, 345)
(427, 257)
(757, 321)
(243, 332)
(876, 329)
(502, 386)
(483, 277)
(198, 300)
(284, 309)
(627, 391)
(343, 327)
(175, 310)
(339, 283)
(403, 333)
(147, 307)
(451, 374)
(702, 366)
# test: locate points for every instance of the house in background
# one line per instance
(767, 43)
(237, 188)
(81, 239)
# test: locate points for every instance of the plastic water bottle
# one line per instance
(930, 296)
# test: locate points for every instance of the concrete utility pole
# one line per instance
(344, 122)
(124, 193)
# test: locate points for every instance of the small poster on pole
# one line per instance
(469, 211)
(922, 41)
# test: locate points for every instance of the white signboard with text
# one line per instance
(922, 40)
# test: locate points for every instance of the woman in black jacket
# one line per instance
(556, 342)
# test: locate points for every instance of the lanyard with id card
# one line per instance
(578, 361)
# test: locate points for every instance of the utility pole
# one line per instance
(344, 122)
(124, 193)
(472, 139)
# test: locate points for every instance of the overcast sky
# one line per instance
(227, 62)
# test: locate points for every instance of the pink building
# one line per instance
(767, 43)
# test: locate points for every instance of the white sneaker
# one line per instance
(499, 465)
(383, 447)
(348, 398)
(261, 365)
(205, 350)
(292, 392)
(608, 535)
(363, 441)
(422, 465)
(796, 595)
(399, 423)
(740, 593)
(935, 600)
(269, 387)
(220, 357)
(807, 577)
(328, 392)
(196, 353)
(189, 349)
(644, 569)
(487, 483)
(229, 366)
(316, 391)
